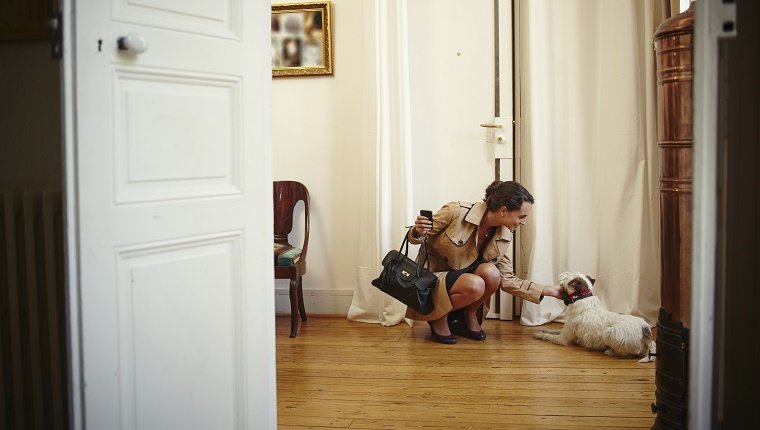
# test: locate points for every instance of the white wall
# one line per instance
(317, 139)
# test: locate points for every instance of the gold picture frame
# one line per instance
(302, 39)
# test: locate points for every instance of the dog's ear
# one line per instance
(592, 280)
(564, 277)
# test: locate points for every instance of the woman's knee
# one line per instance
(491, 276)
(471, 285)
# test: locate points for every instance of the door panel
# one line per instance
(219, 18)
(196, 281)
(170, 215)
(156, 109)
(453, 88)
(451, 47)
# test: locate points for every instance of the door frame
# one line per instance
(70, 220)
(507, 115)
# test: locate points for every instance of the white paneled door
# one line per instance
(169, 214)
(460, 79)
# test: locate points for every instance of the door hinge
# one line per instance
(723, 21)
(55, 24)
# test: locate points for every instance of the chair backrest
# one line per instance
(286, 195)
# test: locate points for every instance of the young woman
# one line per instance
(467, 245)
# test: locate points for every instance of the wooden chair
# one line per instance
(290, 261)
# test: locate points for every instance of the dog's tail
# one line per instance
(646, 333)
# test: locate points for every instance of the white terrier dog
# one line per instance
(590, 325)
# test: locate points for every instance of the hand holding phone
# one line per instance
(423, 223)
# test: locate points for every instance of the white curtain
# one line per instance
(386, 208)
(588, 132)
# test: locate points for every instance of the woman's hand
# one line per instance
(553, 291)
(421, 226)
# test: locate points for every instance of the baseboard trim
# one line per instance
(316, 301)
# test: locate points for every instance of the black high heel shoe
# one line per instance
(475, 335)
(448, 340)
(460, 327)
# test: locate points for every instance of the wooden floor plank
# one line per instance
(341, 374)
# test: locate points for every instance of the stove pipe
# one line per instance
(674, 51)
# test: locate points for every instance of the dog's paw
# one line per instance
(612, 353)
(650, 354)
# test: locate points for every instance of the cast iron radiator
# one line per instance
(33, 363)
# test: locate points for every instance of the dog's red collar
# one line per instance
(574, 297)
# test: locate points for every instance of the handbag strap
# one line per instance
(405, 250)
(424, 247)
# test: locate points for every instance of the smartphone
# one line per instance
(427, 214)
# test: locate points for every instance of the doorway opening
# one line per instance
(33, 327)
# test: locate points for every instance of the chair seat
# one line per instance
(285, 255)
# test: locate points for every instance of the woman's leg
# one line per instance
(467, 289)
(491, 277)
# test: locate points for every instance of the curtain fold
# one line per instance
(387, 186)
(588, 131)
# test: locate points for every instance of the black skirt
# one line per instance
(451, 277)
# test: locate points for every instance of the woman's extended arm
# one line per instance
(525, 289)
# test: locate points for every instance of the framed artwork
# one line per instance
(302, 39)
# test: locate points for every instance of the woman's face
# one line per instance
(516, 218)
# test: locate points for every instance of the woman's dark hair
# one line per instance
(507, 193)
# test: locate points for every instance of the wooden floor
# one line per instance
(342, 374)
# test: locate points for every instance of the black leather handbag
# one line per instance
(407, 280)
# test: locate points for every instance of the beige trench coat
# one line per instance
(451, 243)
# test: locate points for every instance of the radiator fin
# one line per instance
(33, 359)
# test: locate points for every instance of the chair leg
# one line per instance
(294, 307)
(301, 307)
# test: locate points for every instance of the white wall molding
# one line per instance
(320, 301)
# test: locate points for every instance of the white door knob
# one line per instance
(132, 42)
